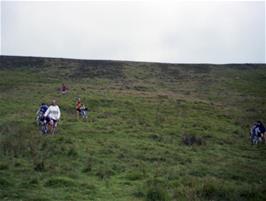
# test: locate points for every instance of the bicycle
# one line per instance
(48, 126)
(84, 113)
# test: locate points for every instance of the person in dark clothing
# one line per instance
(40, 113)
(262, 130)
(257, 133)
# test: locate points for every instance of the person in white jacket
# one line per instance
(52, 115)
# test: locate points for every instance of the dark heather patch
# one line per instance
(11, 62)
(98, 69)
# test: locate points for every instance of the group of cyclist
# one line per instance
(48, 116)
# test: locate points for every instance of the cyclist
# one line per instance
(78, 106)
(40, 113)
(52, 116)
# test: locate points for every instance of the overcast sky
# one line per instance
(161, 31)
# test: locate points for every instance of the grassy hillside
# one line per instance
(135, 143)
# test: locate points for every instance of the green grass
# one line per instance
(131, 148)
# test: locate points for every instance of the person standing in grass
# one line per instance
(78, 106)
(52, 115)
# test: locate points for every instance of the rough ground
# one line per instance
(155, 131)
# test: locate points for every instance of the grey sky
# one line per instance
(162, 31)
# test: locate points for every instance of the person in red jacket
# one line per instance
(78, 106)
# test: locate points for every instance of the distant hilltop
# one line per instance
(22, 61)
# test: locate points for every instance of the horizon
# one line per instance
(133, 61)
